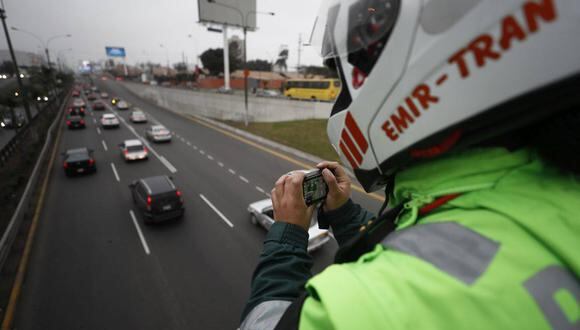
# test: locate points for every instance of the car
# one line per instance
(79, 103)
(115, 100)
(9, 122)
(79, 161)
(138, 116)
(75, 121)
(262, 213)
(158, 133)
(104, 95)
(76, 93)
(92, 97)
(109, 120)
(95, 89)
(98, 105)
(76, 111)
(42, 98)
(157, 198)
(267, 93)
(133, 150)
(122, 105)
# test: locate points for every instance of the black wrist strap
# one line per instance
(371, 234)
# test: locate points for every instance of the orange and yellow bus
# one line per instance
(312, 89)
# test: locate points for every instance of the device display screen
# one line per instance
(315, 188)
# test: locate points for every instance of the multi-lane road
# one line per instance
(95, 265)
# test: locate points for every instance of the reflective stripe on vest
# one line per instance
(452, 248)
(265, 315)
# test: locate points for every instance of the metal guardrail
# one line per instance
(11, 231)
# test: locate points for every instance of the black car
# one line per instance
(79, 161)
(158, 198)
(98, 105)
(75, 122)
(76, 111)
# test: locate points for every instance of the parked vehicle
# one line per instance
(312, 89)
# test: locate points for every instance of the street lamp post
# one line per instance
(23, 90)
(46, 50)
(244, 29)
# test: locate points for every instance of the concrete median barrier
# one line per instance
(228, 106)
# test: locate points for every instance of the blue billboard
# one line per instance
(115, 51)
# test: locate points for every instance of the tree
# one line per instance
(213, 59)
(259, 65)
(180, 67)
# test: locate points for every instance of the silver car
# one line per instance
(109, 120)
(138, 116)
(133, 150)
(261, 212)
(122, 105)
(158, 133)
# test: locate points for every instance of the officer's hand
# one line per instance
(338, 185)
(288, 201)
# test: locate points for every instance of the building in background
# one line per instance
(24, 59)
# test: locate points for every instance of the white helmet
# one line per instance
(422, 77)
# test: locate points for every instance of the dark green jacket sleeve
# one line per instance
(283, 268)
(345, 221)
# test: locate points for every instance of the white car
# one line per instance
(261, 212)
(104, 95)
(133, 150)
(158, 133)
(79, 103)
(122, 105)
(138, 116)
(109, 120)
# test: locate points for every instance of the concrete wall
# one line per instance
(230, 107)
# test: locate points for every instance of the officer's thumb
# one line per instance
(330, 180)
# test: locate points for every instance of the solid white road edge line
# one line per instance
(244, 179)
(216, 211)
(221, 164)
(115, 172)
(99, 131)
(232, 171)
(143, 241)
(104, 145)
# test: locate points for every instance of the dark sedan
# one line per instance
(79, 161)
(98, 105)
(75, 122)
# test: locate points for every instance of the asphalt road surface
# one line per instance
(93, 266)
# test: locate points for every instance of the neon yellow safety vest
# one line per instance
(503, 255)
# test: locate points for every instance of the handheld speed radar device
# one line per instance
(314, 187)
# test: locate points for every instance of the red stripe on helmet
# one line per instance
(438, 149)
(356, 133)
(346, 153)
(353, 150)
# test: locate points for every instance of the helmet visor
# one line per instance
(344, 27)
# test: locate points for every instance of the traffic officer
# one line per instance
(468, 113)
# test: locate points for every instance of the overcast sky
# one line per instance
(141, 26)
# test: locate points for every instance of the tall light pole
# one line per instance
(23, 90)
(245, 29)
(45, 44)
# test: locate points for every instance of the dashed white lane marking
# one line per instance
(94, 121)
(115, 172)
(188, 143)
(216, 211)
(167, 164)
(232, 171)
(221, 164)
(244, 179)
(260, 190)
(210, 157)
(201, 152)
(143, 241)
(195, 147)
(104, 145)
(99, 131)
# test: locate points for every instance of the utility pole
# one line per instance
(226, 60)
(23, 90)
(299, 52)
(246, 73)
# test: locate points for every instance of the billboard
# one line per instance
(229, 12)
(115, 51)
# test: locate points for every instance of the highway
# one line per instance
(95, 265)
